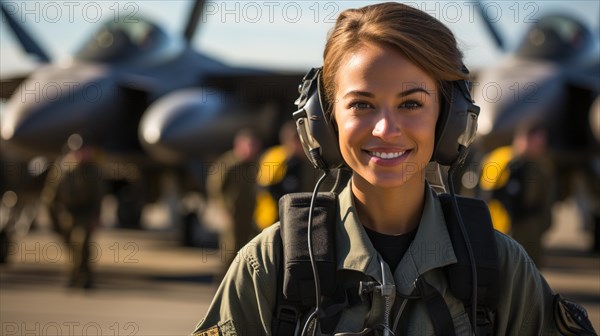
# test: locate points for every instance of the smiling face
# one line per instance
(385, 110)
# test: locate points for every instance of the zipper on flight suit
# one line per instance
(386, 290)
(402, 306)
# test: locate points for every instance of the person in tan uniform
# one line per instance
(232, 186)
(73, 193)
(387, 90)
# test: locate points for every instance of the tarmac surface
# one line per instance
(148, 284)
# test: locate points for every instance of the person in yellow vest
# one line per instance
(517, 182)
(494, 175)
(283, 169)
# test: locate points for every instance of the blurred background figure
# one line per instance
(520, 189)
(231, 185)
(283, 169)
(73, 193)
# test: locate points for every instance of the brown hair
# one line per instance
(421, 38)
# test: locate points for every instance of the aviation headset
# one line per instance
(455, 129)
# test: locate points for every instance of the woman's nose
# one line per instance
(386, 126)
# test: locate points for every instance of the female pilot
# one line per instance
(388, 71)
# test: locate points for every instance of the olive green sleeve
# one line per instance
(245, 299)
(526, 301)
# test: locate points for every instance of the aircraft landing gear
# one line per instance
(129, 206)
(596, 228)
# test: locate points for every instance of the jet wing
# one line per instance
(9, 85)
(255, 88)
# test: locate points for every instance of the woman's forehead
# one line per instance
(373, 65)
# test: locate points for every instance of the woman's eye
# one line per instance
(411, 105)
(359, 105)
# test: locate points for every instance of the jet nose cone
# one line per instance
(173, 125)
(198, 123)
(54, 103)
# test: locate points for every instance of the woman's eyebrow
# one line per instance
(411, 91)
(359, 93)
(371, 95)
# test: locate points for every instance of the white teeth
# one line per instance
(386, 155)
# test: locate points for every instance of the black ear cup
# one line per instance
(456, 126)
(455, 129)
(317, 135)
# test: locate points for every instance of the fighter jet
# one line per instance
(128, 68)
(553, 78)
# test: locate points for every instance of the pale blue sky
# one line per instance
(287, 35)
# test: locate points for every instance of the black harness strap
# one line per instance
(478, 224)
(286, 318)
(295, 286)
(437, 309)
(296, 292)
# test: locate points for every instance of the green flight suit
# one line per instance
(233, 185)
(244, 302)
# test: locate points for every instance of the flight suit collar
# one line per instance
(354, 249)
(431, 248)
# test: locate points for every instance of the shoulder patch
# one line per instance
(212, 331)
(226, 328)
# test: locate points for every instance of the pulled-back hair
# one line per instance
(421, 38)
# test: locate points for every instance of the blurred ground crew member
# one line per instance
(521, 196)
(232, 184)
(73, 193)
(283, 169)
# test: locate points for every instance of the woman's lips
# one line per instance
(387, 158)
